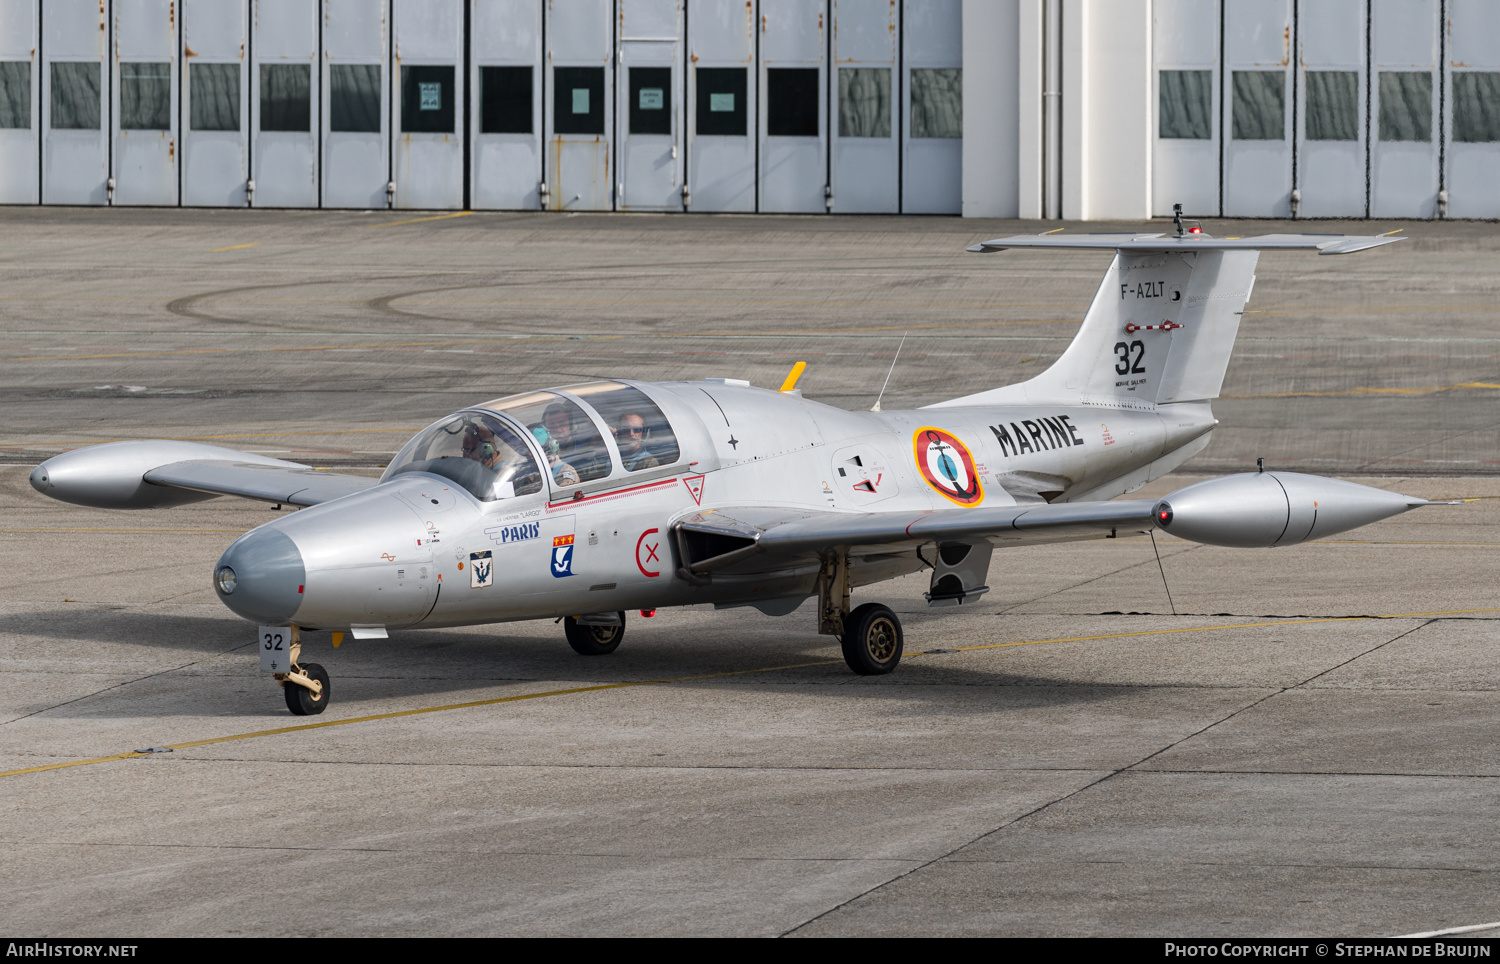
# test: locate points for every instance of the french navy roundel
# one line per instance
(948, 466)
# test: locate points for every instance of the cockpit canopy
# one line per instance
(489, 456)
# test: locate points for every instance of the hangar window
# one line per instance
(426, 99)
(285, 97)
(1405, 105)
(1259, 106)
(146, 97)
(937, 102)
(650, 100)
(1476, 107)
(75, 96)
(864, 102)
(1332, 105)
(354, 98)
(505, 100)
(578, 100)
(214, 94)
(15, 93)
(478, 452)
(1184, 104)
(792, 101)
(575, 450)
(642, 433)
(721, 101)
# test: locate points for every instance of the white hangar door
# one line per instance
(1185, 150)
(1404, 112)
(1472, 127)
(793, 109)
(20, 104)
(864, 98)
(427, 161)
(932, 65)
(649, 88)
(505, 129)
(355, 110)
(1258, 109)
(216, 118)
(1331, 108)
(75, 102)
(283, 104)
(721, 112)
(578, 106)
(144, 114)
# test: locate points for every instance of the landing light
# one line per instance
(226, 579)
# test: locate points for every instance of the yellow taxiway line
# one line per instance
(436, 217)
(599, 688)
(235, 247)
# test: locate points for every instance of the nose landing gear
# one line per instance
(305, 685)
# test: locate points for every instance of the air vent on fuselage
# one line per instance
(705, 546)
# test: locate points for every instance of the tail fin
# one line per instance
(1163, 323)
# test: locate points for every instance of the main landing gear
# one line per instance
(597, 634)
(870, 635)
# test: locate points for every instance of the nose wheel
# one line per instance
(872, 640)
(594, 638)
(304, 700)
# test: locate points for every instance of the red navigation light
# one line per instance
(647, 613)
(1195, 230)
(1163, 514)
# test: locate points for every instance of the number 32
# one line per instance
(1125, 366)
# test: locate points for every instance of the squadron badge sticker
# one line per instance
(481, 570)
(562, 556)
(948, 466)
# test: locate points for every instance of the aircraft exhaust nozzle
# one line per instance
(1260, 509)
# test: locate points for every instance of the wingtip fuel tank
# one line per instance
(1263, 509)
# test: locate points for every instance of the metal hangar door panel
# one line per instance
(1187, 78)
(145, 111)
(283, 104)
(1331, 108)
(75, 102)
(20, 101)
(427, 160)
(1472, 125)
(721, 105)
(578, 107)
(355, 103)
(1404, 109)
(932, 68)
(649, 108)
(216, 110)
(505, 57)
(1258, 109)
(793, 107)
(864, 97)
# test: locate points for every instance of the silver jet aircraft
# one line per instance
(587, 501)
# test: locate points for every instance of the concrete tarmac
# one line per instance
(1297, 742)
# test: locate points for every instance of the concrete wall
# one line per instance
(991, 108)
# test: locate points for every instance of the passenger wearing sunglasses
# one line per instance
(630, 436)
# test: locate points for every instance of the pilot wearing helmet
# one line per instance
(480, 445)
(562, 472)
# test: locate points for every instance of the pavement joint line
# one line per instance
(572, 691)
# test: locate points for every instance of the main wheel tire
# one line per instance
(303, 701)
(593, 640)
(872, 640)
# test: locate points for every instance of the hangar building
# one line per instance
(1079, 109)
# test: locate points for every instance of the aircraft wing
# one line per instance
(288, 483)
(1322, 243)
(754, 539)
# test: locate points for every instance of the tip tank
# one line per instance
(1274, 509)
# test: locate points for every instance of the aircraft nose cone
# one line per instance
(39, 479)
(261, 577)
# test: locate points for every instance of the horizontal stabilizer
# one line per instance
(1322, 243)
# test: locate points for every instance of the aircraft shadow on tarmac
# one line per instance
(211, 668)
